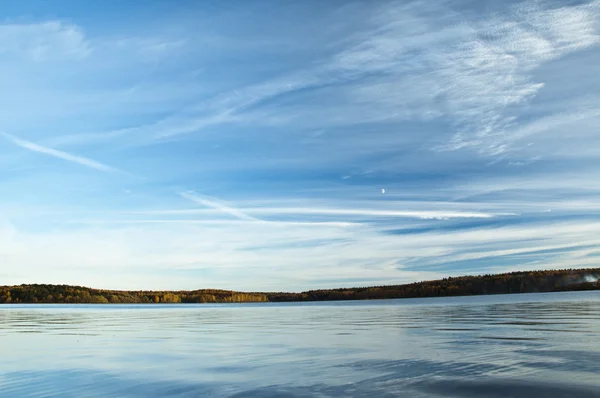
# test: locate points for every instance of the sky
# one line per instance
(247, 144)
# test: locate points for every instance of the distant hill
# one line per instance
(515, 282)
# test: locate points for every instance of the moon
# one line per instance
(382, 190)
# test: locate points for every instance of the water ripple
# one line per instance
(545, 345)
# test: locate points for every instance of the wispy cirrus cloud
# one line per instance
(57, 39)
(217, 204)
(59, 154)
(478, 74)
(401, 210)
(419, 214)
(473, 72)
(43, 40)
(239, 223)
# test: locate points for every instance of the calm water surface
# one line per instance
(536, 345)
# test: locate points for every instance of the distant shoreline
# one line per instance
(516, 282)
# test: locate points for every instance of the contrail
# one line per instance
(217, 204)
(59, 154)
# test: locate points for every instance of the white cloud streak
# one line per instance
(245, 213)
(218, 205)
(239, 223)
(59, 154)
(424, 215)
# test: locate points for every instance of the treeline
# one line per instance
(515, 282)
(80, 295)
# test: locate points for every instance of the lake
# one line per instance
(534, 345)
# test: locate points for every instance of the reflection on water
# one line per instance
(545, 345)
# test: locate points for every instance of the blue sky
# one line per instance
(245, 145)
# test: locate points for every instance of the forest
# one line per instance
(515, 282)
